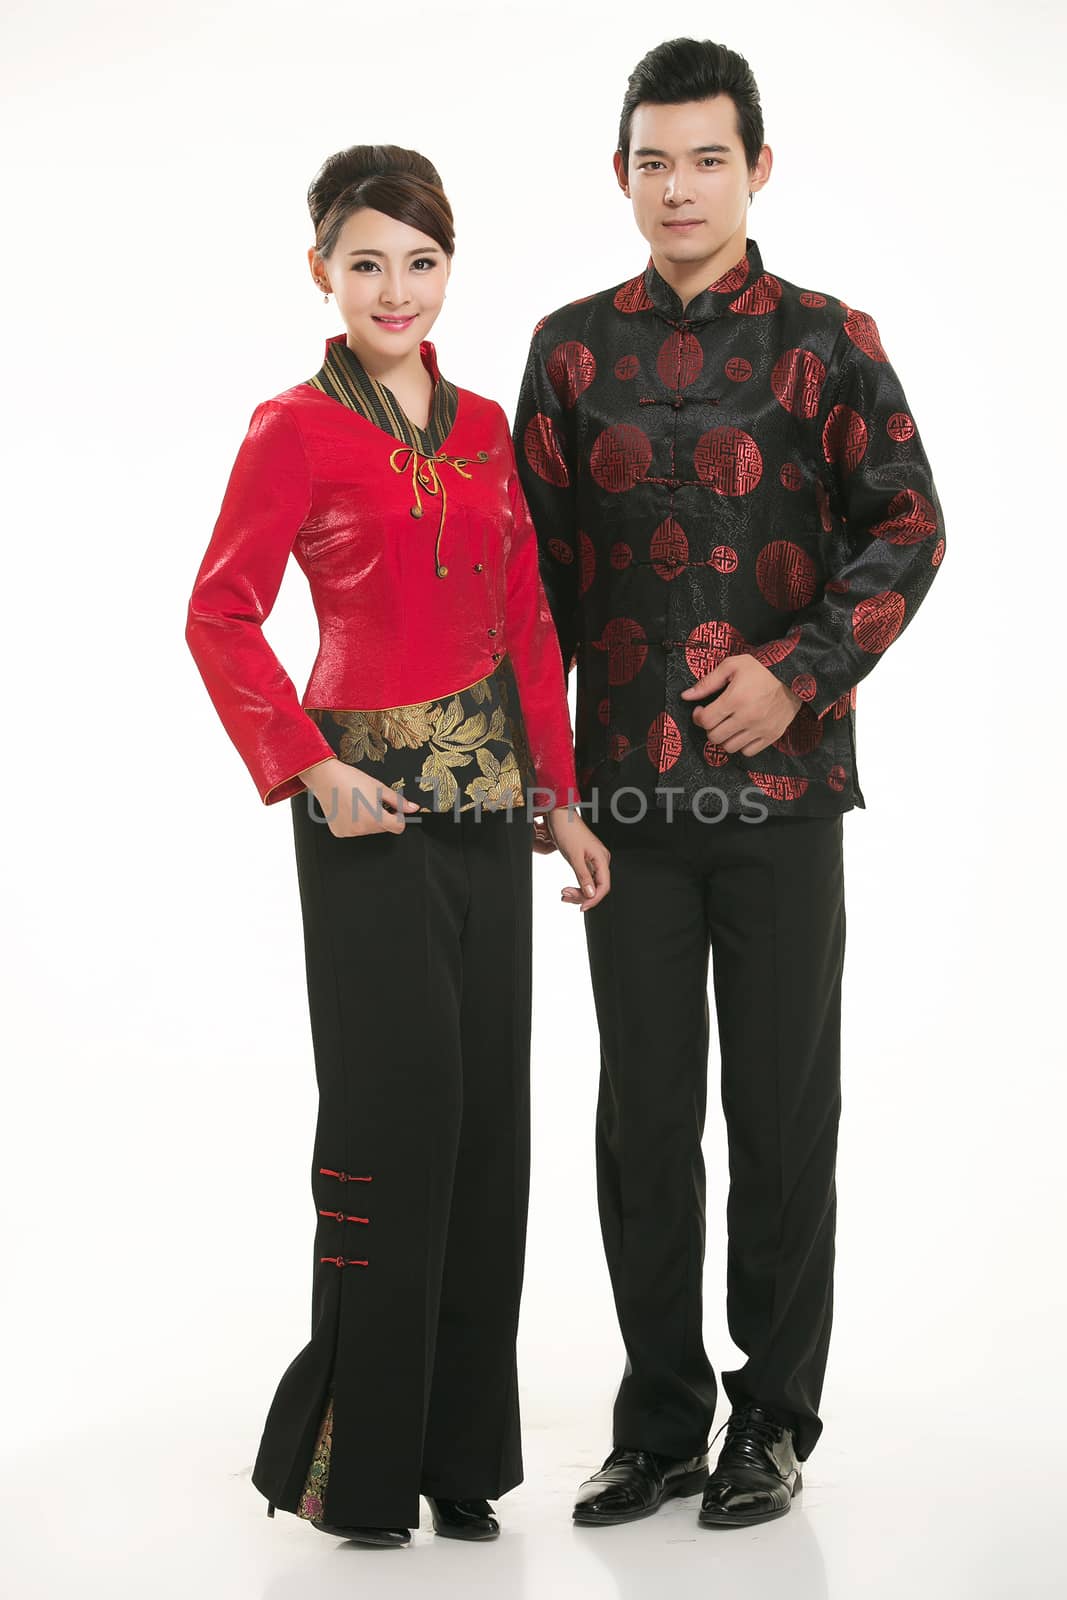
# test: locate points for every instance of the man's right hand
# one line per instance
(354, 803)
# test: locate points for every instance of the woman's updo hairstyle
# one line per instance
(379, 177)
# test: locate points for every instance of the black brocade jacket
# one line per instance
(739, 476)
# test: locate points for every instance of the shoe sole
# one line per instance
(356, 1536)
(712, 1521)
(692, 1484)
(470, 1538)
(350, 1538)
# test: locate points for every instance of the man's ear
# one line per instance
(620, 174)
(761, 172)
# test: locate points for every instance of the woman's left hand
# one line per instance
(588, 857)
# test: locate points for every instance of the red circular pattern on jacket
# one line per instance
(620, 556)
(543, 451)
(937, 555)
(624, 639)
(844, 438)
(732, 280)
(804, 686)
(786, 575)
(633, 296)
(776, 650)
(803, 735)
(620, 457)
(538, 326)
(571, 369)
(560, 551)
(669, 549)
(587, 562)
(680, 360)
(778, 787)
(618, 746)
(900, 427)
(723, 558)
(797, 381)
(877, 620)
(822, 502)
(738, 369)
(791, 476)
(603, 711)
(863, 332)
(763, 296)
(627, 367)
(729, 460)
(711, 642)
(911, 519)
(715, 755)
(837, 777)
(812, 300)
(664, 742)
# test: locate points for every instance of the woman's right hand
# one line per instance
(354, 803)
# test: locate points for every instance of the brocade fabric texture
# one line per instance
(313, 1500)
(460, 753)
(741, 475)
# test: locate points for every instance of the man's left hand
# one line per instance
(752, 710)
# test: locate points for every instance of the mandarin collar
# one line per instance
(713, 301)
(344, 377)
(427, 352)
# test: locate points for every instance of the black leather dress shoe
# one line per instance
(463, 1519)
(386, 1537)
(378, 1536)
(634, 1483)
(757, 1473)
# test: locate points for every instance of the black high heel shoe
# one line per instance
(382, 1537)
(463, 1519)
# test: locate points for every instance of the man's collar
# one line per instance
(712, 301)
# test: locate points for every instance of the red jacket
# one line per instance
(419, 587)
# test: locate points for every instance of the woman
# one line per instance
(435, 714)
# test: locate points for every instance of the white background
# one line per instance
(160, 1094)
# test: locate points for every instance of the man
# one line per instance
(736, 518)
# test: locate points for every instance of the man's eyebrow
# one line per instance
(698, 150)
(422, 250)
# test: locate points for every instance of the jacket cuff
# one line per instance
(273, 789)
(818, 693)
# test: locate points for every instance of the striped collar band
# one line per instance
(344, 377)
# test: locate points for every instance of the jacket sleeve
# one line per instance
(544, 446)
(535, 655)
(264, 506)
(875, 478)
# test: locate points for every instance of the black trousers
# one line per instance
(766, 899)
(419, 973)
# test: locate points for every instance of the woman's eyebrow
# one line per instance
(420, 250)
